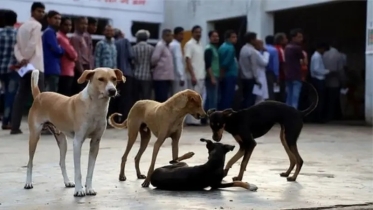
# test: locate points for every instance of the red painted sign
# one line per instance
(134, 2)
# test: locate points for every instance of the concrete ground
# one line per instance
(337, 173)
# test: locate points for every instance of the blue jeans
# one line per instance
(247, 92)
(10, 82)
(293, 89)
(227, 92)
(211, 94)
(162, 90)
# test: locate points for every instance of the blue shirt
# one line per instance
(274, 62)
(124, 56)
(52, 52)
(317, 67)
(228, 61)
(106, 54)
(7, 42)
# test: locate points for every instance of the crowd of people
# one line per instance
(271, 69)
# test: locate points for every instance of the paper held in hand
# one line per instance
(25, 69)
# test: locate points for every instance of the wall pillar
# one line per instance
(369, 67)
(258, 20)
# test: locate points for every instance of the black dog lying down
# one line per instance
(180, 176)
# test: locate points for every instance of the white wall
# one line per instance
(275, 5)
(369, 71)
(122, 15)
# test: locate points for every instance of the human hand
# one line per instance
(181, 82)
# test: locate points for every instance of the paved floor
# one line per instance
(337, 171)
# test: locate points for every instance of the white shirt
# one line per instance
(177, 55)
(195, 52)
(317, 67)
(29, 45)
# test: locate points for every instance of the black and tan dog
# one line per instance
(248, 124)
(180, 176)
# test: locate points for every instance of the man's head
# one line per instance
(81, 24)
(218, 120)
(217, 149)
(54, 19)
(37, 11)
(167, 35)
(142, 35)
(10, 18)
(270, 40)
(118, 34)
(335, 44)
(179, 33)
(65, 26)
(196, 32)
(109, 32)
(92, 25)
(296, 35)
(250, 38)
(214, 37)
(230, 36)
(281, 39)
(321, 47)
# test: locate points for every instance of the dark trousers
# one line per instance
(162, 90)
(211, 94)
(124, 102)
(319, 111)
(22, 96)
(10, 82)
(79, 87)
(282, 95)
(65, 85)
(271, 80)
(51, 83)
(247, 93)
(143, 89)
(227, 89)
(332, 101)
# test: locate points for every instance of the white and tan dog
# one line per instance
(79, 117)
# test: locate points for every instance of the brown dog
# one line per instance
(163, 120)
(79, 117)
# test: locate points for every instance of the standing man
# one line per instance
(175, 46)
(229, 70)
(163, 72)
(249, 69)
(142, 52)
(293, 72)
(195, 63)
(212, 71)
(91, 30)
(124, 63)
(8, 77)
(84, 49)
(334, 61)
(281, 41)
(318, 73)
(273, 67)
(28, 49)
(105, 52)
(52, 52)
(68, 59)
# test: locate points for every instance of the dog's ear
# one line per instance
(119, 75)
(193, 96)
(229, 147)
(210, 111)
(86, 75)
(206, 140)
(227, 112)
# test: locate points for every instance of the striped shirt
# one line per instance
(7, 42)
(142, 52)
(105, 54)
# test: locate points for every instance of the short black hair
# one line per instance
(321, 45)
(250, 36)
(10, 18)
(64, 19)
(295, 32)
(335, 44)
(228, 34)
(195, 28)
(37, 5)
(165, 31)
(78, 19)
(92, 21)
(178, 30)
(279, 37)
(270, 40)
(52, 13)
(212, 32)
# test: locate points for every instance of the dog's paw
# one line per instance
(91, 192)
(69, 184)
(79, 193)
(236, 178)
(122, 178)
(28, 186)
(173, 161)
(145, 183)
(284, 174)
(141, 176)
(291, 179)
(252, 187)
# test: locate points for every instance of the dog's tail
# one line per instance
(314, 97)
(34, 83)
(112, 122)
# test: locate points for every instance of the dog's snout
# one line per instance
(216, 137)
(112, 92)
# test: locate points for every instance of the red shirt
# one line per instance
(281, 55)
(70, 56)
